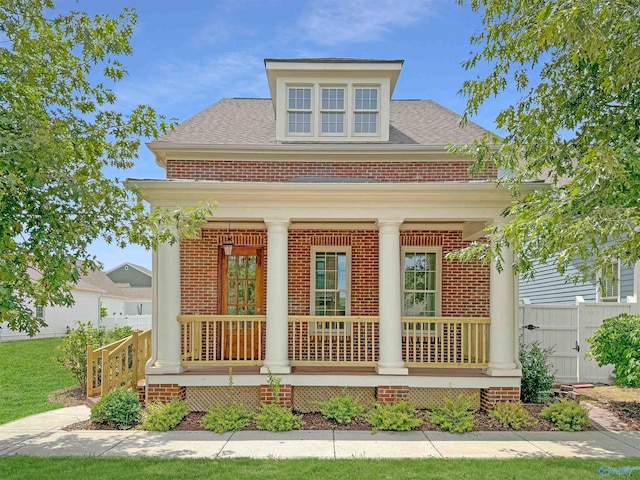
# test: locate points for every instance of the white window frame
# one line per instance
(438, 292)
(355, 111)
(331, 249)
(343, 111)
(603, 283)
(39, 312)
(310, 110)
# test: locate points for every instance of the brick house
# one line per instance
(326, 262)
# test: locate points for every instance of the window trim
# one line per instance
(312, 297)
(300, 110)
(39, 312)
(438, 251)
(344, 110)
(602, 284)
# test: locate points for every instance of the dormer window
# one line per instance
(299, 110)
(332, 100)
(332, 111)
(365, 112)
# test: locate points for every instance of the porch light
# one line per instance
(228, 242)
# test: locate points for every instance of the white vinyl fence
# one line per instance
(137, 322)
(565, 329)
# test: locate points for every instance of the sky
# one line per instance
(188, 54)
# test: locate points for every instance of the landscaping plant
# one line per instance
(397, 417)
(455, 416)
(617, 342)
(537, 372)
(162, 417)
(511, 415)
(277, 418)
(342, 408)
(567, 415)
(229, 418)
(120, 408)
(75, 343)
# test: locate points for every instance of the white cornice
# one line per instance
(303, 151)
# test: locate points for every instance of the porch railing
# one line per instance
(119, 364)
(222, 339)
(320, 340)
(451, 342)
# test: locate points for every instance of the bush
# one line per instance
(342, 408)
(617, 342)
(511, 415)
(397, 417)
(118, 407)
(276, 418)
(75, 343)
(566, 415)
(456, 415)
(162, 417)
(229, 418)
(537, 372)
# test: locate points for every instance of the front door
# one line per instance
(242, 289)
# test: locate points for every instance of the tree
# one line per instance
(60, 128)
(576, 67)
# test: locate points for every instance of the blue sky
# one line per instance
(188, 54)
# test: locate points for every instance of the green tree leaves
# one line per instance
(59, 130)
(576, 65)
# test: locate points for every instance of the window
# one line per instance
(332, 111)
(365, 111)
(421, 291)
(299, 110)
(330, 288)
(609, 284)
(39, 312)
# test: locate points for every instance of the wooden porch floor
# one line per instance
(413, 372)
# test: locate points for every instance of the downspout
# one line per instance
(516, 319)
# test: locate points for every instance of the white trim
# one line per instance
(612, 299)
(438, 292)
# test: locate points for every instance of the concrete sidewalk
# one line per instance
(43, 435)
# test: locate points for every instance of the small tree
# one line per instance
(617, 342)
(537, 372)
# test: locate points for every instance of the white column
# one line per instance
(277, 342)
(503, 307)
(389, 299)
(166, 308)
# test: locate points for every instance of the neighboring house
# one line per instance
(549, 287)
(131, 275)
(92, 292)
(326, 262)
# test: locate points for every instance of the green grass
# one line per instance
(27, 376)
(233, 469)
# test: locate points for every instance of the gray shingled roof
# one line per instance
(251, 121)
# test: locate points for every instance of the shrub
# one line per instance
(617, 342)
(75, 343)
(566, 415)
(229, 418)
(537, 372)
(118, 407)
(456, 415)
(342, 408)
(511, 415)
(162, 417)
(397, 417)
(276, 418)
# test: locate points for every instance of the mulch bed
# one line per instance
(315, 421)
(629, 412)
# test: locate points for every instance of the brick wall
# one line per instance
(465, 286)
(165, 392)
(389, 394)
(492, 395)
(285, 397)
(279, 171)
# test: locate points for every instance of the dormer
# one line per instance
(332, 100)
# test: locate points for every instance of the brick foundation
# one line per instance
(165, 392)
(492, 395)
(386, 394)
(141, 390)
(285, 398)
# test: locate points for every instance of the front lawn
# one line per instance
(233, 469)
(28, 375)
